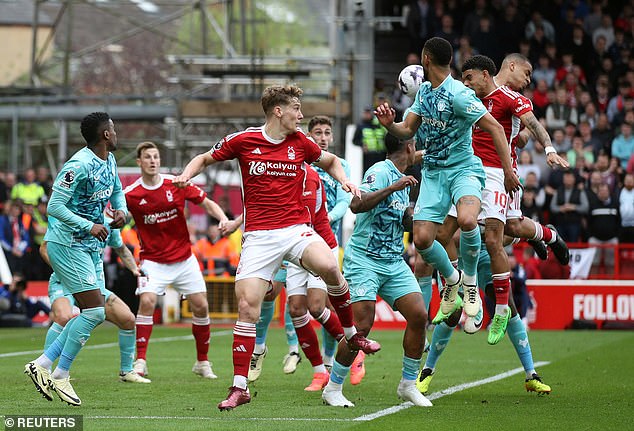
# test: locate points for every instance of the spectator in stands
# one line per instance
(215, 252)
(592, 21)
(623, 145)
(526, 165)
(533, 198)
(531, 264)
(14, 237)
(620, 44)
(541, 98)
(464, 52)
(560, 113)
(616, 105)
(509, 29)
(544, 71)
(370, 136)
(608, 171)
(43, 178)
(603, 225)
(538, 20)
(28, 190)
(605, 30)
(19, 302)
(603, 133)
(626, 210)
(578, 151)
(568, 207)
(590, 143)
(486, 41)
(560, 142)
(447, 32)
(37, 268)
(472, 19)
(537, 43)
(580, 46)
(419, 23)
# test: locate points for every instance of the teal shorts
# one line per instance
(442, 187)
(368, 278)
(56, 290)
(77, 270)
(280, 275)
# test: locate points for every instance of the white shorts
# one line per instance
(496, 202)
(264, 250)
(299, 280)
(183, 276)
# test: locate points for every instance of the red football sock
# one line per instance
(201, 332)
(144, 325)
(243, 344)
(501, 285)
(308, 339)
(340, 299)
(331, 323)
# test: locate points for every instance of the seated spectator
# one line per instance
(19, 302)
(542, 95)
(603, 225)
(544, 71)
(561, 143)
(616, 104)
(623, 145)
(14, 237)
(626, 210)
(215, 252)
(27, 190)
(579, 152)
(43, 178)
(37, 268)
(525, 165)
(568, 207)
(560, 113)
(531, 264)
(602, 132)
(608, 171)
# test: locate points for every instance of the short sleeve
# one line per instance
(468, 106)
(195, 194)
(312, 150)
(521, 106)
(225, 149)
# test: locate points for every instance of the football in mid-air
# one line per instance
(410, 79)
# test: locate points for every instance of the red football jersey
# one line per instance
(315, 200)
(273, 176)
(506, 106)
(158, 213)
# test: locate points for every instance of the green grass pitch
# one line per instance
(591, 374)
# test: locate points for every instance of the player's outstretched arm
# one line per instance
(193, 168)
(403, 130)
(541, 135)
(128, 260)
(369, 200)
(214, 210)
(331, 164)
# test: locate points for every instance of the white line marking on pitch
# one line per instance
(108, 345)
(445, 392)
(434, 396)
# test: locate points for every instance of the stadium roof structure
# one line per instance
(22, 13)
